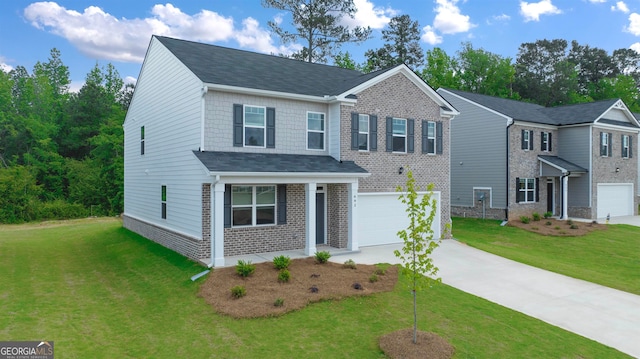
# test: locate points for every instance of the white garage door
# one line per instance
(615, 199)
(382, 215)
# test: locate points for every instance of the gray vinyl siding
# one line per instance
(575, 146)
(167, 102)
(478, 141)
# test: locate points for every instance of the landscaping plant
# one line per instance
(281, 262)
(245, 268)
(323, 256)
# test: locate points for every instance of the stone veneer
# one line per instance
(398, 97)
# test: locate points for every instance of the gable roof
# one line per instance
(238, 68)
(574, 114)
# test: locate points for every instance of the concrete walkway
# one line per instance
(606, 315)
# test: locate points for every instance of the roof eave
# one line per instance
(269, 93)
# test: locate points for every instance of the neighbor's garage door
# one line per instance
(615, 200)
(382, 215)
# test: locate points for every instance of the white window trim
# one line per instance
(526, 190)
(604, 143)
(545, 139)
(324, 132)
(368, 133)
(527, 139)
(429, 124)
(254, 206)
(393, 135)
(245, 126)
(625, 147)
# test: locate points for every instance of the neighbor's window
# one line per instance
(253, 205)
(545, 141)
(399, 135)
(142, 140)
(527, 190)
(254, 126)
(605, 144)
(626, 153)
(431, 137)
(164, 202)
(363, 132)
(315, 131)
(527, 140)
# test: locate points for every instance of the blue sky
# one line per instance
(117, 31)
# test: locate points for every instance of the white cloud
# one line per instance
(502, 18)
(448, 18)
(5, 66)
(254, 37)
(636, 47)
(101, 35)
(597, 1)
(634, 24)
(532, 11)
(430, 36)
(620, 6)
(130, 80)
(367, 14)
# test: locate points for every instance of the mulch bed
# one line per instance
(400, 344)
(555, 227)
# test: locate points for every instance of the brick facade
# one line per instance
(337, 215)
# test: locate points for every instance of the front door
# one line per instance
(320, 220)
(550, 195)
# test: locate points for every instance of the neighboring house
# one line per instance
(511, 158)
(230, 152)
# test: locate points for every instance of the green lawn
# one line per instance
(610, 257)
(100, 291)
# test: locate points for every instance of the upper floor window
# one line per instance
(527, 140)
(255, 128)
(605, 144)
(363, 132)
(545, 141)
(627, 146)
(142, 140)
(526, 191)
(431, 137)
(163, 200)
(253, 205)
(315, 131)
(399, 134)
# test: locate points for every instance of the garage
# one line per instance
(381, 215)
(615, 199)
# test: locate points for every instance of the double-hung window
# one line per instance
(431, 137)
(527, 140)
(254, 126)
(605, 144)
(545, 141)
(315, 131)
(399, 135)
(163, 198)
(363, 132)
(526, 190)
(253, 205)
(626, 146)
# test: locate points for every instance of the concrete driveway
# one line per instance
(632, 220)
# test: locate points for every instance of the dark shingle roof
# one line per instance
(578, 113)
(273, 163)
(562, 163)
(224, 66)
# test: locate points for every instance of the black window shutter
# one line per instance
(410, 134)
(549, 144)
(531, 140)
(271, 127)
(630, 146)
(622, 145)
(227, 206)
(610, 144)
(439, 137)
(537, 189)
(523, 145)
(517, 189)
(237, 126)
(425, 139)
(603, 151)
(542, 141)
(373, 133)
(389, 134)
(282, 204)
(355, 127)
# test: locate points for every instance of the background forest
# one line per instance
(61, 152)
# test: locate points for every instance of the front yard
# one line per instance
(610, 257)
(100, 291)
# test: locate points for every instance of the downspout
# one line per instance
(210, 265)
(506, 207)
(205, 90)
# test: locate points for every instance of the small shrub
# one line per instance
(574, 226)
(569, 222)
(279, 302)
(284, 276)
(547, 223)
(556, 227)
(373, 278)
(349, 264)
(563, 232)
(245, 268)
(548, 214)
(323, 256)
(281, 262)
(380, 271)
(534, 228)
(238, 291)
(524, 219)
(536, 216)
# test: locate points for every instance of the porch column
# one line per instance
(352, 243)
(310, 190)
(565, 196)
(217, 225)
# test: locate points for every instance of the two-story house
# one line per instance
(229, 152)
(511, 158)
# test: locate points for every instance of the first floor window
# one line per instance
(399, 135)
(253, 205)
(254, 126)
(626, 153)
(526, 190)
(315, 131)
(363, 132)
(164, 202)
